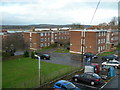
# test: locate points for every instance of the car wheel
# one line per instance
(92, 82)
(44, 58)
(107, 59)
(75, 79)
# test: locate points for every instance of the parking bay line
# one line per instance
(86, 85)
(103, 86)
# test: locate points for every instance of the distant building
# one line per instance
(40, 38)
(95, 41)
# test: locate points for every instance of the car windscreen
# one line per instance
(45, 54)
(70, 85)
(96, 76)
(111, 56)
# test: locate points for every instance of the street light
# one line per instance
(39, 68)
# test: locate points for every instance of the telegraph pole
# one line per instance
(83, 37)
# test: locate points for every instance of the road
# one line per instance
(114, 83)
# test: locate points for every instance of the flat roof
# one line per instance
(95, 30)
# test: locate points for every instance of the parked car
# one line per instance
(113, 63)
(88, 54)
(45, 56)
(109, 57)
(65, 85)
(97, 67)
(90, 78)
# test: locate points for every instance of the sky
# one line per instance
(59, 12)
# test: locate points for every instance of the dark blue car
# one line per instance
(109, 57)
(65, 85)
(91, 55)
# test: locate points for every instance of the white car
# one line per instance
(113, 63)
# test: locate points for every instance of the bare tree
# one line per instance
(13, 41)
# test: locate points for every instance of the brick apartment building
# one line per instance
(40, 38)
(95, 41)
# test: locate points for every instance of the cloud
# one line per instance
(57, 11)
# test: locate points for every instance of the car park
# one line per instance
(90, 78)
(109, 57)
(113, 63)
(65, 85)
(89, 54)
(45, 56)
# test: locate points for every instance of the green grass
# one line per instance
(23, 72)
(48, 47)
(106, 53)
(118, 47)
(62, 51)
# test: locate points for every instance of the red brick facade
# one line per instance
(40, 39)
(95, 41)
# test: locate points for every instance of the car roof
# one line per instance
(46, 54)
(90, 73)
(111, 55)
(63, 82)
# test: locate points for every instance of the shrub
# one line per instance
(33, 55)
(26, 54)
(6, 54)
(53, 45)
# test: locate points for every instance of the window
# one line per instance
(55, 37)
(30, 34)
(98, 49)
(41, 44)
(48, 34)
(111, 38)
(98, 41)
(101, 48)
(48, 44)
(30, 44)
(30, 39)
(58, 84)
(99, 34)
(63, 87)
(45, 44)
(65, 37)
(41, 39)
(90, 46)
(89, 77)
(104, 33)
(45, 39)
(48, 39)
(45, 34)
(41, 34)
(55, 34)
(101, 40)
(112, 34)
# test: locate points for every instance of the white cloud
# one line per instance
(55, 11)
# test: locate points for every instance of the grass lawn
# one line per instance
(106, 53)
(118, 47)
(23, 72)
(62, 51)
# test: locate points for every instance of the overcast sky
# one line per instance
(24, 12)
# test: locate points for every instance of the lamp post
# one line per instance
(39, 68)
